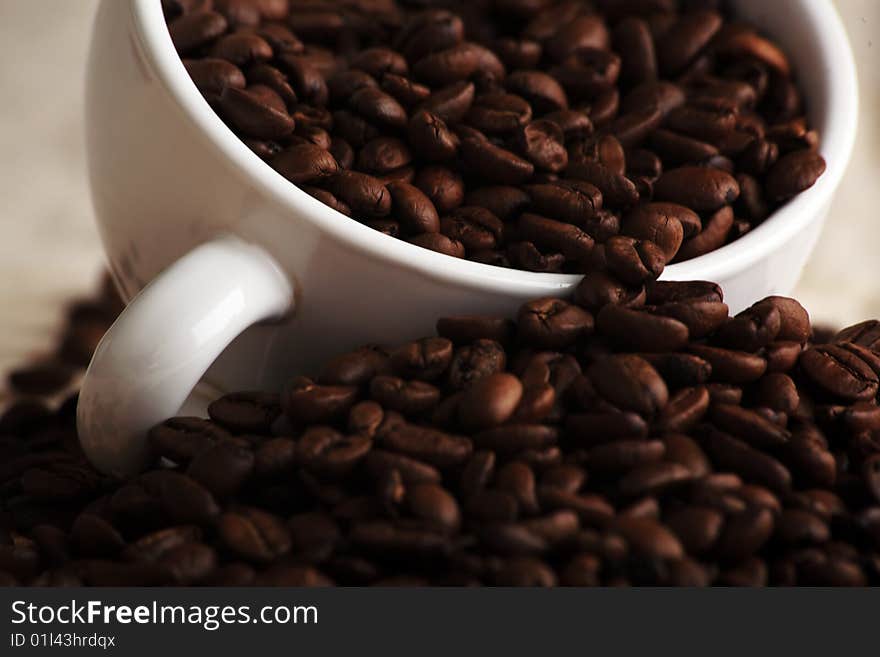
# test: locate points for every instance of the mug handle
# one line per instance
(162, 344)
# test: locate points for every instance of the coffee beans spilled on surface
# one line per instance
(653, 442)
(518, 134)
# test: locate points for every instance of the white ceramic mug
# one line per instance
(225, 242)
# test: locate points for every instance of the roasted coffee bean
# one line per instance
(305, 163)
(213, 76)
(490, 401)
(197, 29)
(621, 456)
(476, 228)
(753, 465)
(383, 155)
(684, 40)
(367, 196)
(457, 63)
(731, 366)
(566, 238)
(618, 191)
(641, 331)
(406, 397)
(430, 137)
(494, 163)
(745, 533)
(223, 468)
(630, 383)
(634, 261)
(839, 372)
(542, 143)
(571, 201)
(254, 535)
(685, 409)
(253, 412)
(660, 223)
(444, 187)
(498, 113)
(795, 320)
(434, 505)
(180, 439)
(553, 323)
(752, 329)
(716, 230)
(702, 189)
(425, 359)
(305, 78)
(250, 113)
(748, 425)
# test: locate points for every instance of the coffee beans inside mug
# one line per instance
(565, 123)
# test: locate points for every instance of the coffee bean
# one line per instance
(476, 228)
(684, 40)
(180, 439)
(425, 359)
(250, 113)
(641, 331)
(633, 261)
(434, 505)
(839, 372)
(617, 191)
(745, 533)
(254, 534)
(702, 189)
(753, 465)
(630, 383)
(731, 366)
(685, 409)
(444, 187)
(406, 397)
(246, 412)
(212, 76)
(494, 163)
(192, 31)
(365, 195)
(308, 402)
(553, 323)
(223, 468)
(305, 163)
(649, 538)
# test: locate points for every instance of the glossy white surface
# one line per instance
(167, 175)
(152, 357)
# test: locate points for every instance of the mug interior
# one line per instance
(810, 31)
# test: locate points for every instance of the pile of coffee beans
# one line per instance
(657, 441)
(519, 133)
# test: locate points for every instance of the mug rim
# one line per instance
(838, 131)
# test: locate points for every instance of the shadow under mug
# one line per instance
(207, 240)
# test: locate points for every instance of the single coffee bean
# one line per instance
(197, 29)
(365, 195)
(254, 534)
(630, 383)
(552, 323)
(839, 372)
(305, 163)
(641, 331)
(490, 401)
(700, 188)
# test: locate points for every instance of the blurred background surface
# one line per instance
(50, 250)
